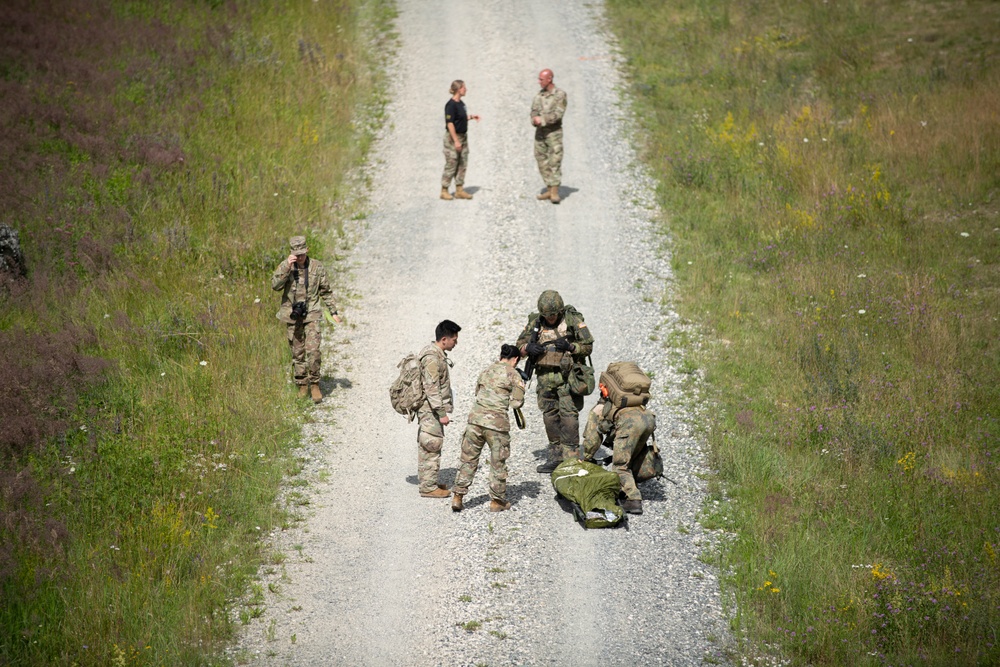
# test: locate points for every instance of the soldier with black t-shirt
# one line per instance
(456, 146)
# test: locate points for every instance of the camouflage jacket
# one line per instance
(628, 427)
(571, 326)
(498, 388)
(551, 106)
(436, 380)
(294, 290)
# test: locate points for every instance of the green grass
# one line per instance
(165, 477)
(829, 173)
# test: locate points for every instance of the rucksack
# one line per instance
(625, 385)
(407, 391)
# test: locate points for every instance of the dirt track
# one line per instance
(384, 577)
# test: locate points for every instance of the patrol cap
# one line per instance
(550, 303)
(298, 244)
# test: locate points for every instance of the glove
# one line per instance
(564, 345)
(535, 349)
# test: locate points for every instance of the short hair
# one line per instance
(456, 86)
(509, 352)
(446, 328)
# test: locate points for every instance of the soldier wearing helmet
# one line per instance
(558, 340)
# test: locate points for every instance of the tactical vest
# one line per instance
(552, 356)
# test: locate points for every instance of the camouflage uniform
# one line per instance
(498, 388)
(550, 105)
(430, 436)
(455, 162)
(630, 429)
(560, 408)
(304, 336)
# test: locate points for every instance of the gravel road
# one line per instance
(377, 575)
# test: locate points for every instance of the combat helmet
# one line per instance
(550, 303)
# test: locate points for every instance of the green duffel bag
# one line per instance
(592, 490)
(581, 380)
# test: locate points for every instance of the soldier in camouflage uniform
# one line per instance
(432, 415)
(629, 429)
(547, 110)
(555, 338)
(304, 280)
(498, 388)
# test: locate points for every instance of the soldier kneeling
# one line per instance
(621, 422)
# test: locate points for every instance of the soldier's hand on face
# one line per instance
(444, 420)
(535, 349)
(291, 259)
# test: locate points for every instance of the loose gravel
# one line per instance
(376, 575)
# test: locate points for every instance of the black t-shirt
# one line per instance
(454, 112)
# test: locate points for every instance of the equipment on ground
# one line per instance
(591, 490)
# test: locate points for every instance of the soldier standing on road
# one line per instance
(556, 338)
(432, 415)
(547, 110)
(630, 429)
(498, 388)
(304, 282)
(456, 142)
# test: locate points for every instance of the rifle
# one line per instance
(529, 365)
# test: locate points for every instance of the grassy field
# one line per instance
(830, 173)
(158, 156)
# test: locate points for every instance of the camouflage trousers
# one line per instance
(472, 447)
(549, 155)
(561, 415)
(304, 339)
(430, 439)
(631, 439)
(455, 162)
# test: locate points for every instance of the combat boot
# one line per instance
(548, 466)
(303, 390)
(445, 195)
(460, 193)
(546, 194)
(456, 502)
(632, 506)
(496, 506)
(317, 395)
(554, 194)
(438, 492)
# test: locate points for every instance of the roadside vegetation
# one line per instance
(157, 157)
(830, 173)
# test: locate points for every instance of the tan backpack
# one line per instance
(625, 385)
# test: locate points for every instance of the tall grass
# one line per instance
(830, 172)
(161, 154)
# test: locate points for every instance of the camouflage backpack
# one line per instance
(407, 391)
(625, 385)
